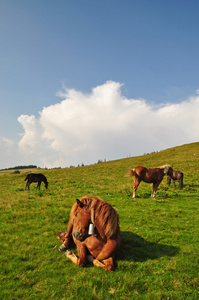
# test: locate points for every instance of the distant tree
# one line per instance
(20, 167)
(16, 172)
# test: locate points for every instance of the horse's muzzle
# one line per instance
(78, 236)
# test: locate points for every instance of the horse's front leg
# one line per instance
(67, 237)
(168, 180)
(71, 255)
(155, 187)
(81, 260)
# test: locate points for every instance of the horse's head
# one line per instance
(170, 172)
(46, 184)
(81, 221)
(167, 170)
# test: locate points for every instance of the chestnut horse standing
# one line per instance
(105, 241)
(36, 178)
(147, 175)
(177, 175)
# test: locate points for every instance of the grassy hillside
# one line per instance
(158, 257)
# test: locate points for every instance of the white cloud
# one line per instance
(105, 125)
(8, 153)
(6, 142)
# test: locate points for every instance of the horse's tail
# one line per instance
(26, 178)
(131, 172)
(181, 180)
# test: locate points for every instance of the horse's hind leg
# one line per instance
(109, 265)
(106, 265)
(27, 185)
(94, 261)
(38, 185)
(135, 186)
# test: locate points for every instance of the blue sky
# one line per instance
(130, 49)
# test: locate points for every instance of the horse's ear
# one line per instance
(79, 203)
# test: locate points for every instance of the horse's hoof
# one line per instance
(68, 252)
(62, 248)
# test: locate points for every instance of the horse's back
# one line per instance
(140, 170)
(149, 175)
(42, 177)
(36, 177)
(177, 175)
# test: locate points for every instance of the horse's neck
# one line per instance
(100, 230)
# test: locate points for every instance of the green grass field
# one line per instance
(159, 252)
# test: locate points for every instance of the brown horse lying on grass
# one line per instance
(105, 241)
(154, 176)
(36, 178)
(177, 175)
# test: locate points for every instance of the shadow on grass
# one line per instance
(134, 247)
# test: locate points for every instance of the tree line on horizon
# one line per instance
(20, 167)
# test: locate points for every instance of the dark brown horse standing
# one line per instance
(147, 175)
(36, 178)
(177, 175)
(105, 241)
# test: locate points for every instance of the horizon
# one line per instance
(31, 166)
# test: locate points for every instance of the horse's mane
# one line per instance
(107, 216)
(101, 210)
(85, 200)
(164, 166)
